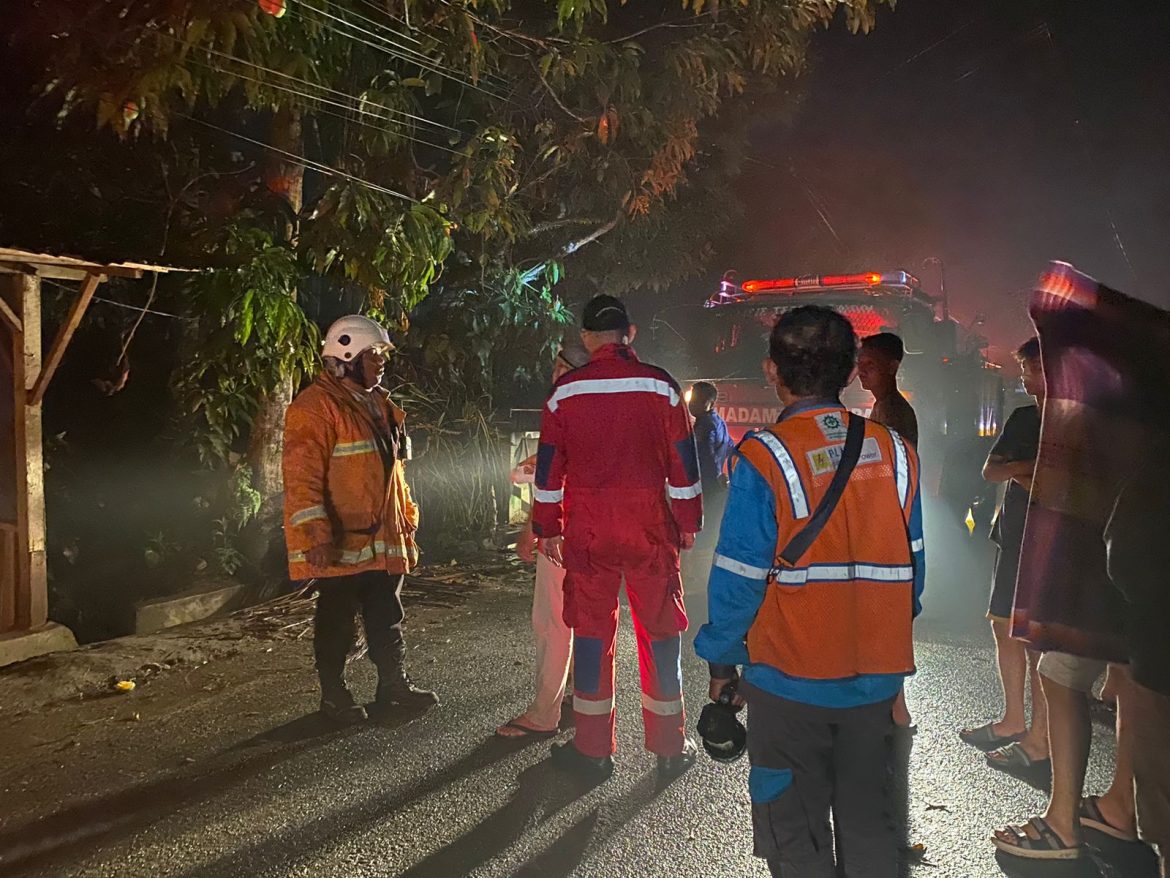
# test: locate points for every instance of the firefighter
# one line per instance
(817, 610)
(348, 517)
(617, 496)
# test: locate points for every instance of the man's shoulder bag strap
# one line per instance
(805, 537)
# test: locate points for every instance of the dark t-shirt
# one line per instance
(1020, 440)
(1139, 556)
(897, 414)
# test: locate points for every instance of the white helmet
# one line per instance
(350, 336)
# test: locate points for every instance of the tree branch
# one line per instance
(679, 22)
(553, 225)
(555, 96)
(573, 246)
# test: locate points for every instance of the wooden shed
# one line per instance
(25, 629)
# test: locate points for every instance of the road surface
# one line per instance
(222, 770)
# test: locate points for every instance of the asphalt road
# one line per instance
(220, 772)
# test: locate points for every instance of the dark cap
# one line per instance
(605, 314)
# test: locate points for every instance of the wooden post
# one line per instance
(10, 343)
(32, 589)
(64, 335)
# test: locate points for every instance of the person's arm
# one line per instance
(548, 495)
(308, 447)
(725, 449)
(911, 426)
(526, 542)
(524, 473)
(915, 533)
(739, 575)
(682, 480)
(996, 469)
(1012, 458)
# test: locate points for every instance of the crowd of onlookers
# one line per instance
(1081, 589)
(814, 543)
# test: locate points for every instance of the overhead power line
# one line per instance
(388, 47)
(357, 99)
(400, 130)
(304, 162)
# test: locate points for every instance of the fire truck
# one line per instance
(957, 394)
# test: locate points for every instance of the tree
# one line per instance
(409, 148)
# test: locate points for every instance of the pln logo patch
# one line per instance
(832, 426)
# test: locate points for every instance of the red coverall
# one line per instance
(618, 475)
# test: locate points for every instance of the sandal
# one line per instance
(1014, 757)
(986, 739)
(516, 729)
(1092, 818)
(1048, 846)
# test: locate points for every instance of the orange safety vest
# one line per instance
(337, 489)
(845, 608)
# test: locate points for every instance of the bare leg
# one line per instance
(1069, 734)
(901, 712)
(1113, 681)
(1117, 805)
(1011, 655)
(1035, 740)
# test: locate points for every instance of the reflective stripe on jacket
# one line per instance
(846, 607)
(617, 432)
(336, 486)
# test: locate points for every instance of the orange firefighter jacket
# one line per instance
(337, 488)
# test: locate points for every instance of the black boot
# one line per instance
(337, 705)
(566, 756)
(673, 766)
(397, 693)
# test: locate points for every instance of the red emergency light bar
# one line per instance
(865, 279)
(732, 291)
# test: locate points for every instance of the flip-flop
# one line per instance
(1047, 847)
(1092, 818)
(985, 739)
(515, 729)
(1014, 757)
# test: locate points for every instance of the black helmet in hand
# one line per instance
(724, 737)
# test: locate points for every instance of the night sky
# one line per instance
(995, 136)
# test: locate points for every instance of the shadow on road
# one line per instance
(1108, 858)
(102, 821)
(542, 792)
(563, 856)
(280, 848)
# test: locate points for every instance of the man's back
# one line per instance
(814, 625)
(615, 432)
(614, 410)
(715, 446)
(833, 628)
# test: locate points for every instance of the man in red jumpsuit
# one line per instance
(617, 496)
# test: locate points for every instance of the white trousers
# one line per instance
(554, 646)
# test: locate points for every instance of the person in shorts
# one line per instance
(1011, 742)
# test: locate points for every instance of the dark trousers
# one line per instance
(838, 760)
(378, 596)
